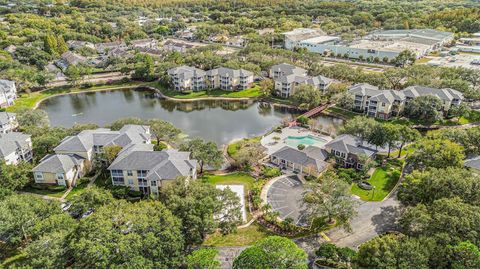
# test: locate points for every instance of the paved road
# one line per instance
(373, 218)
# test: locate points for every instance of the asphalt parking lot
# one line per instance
(286, 197)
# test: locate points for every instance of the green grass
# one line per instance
(347, 114)
(235, 146)
(237, 178)
(243, 237)
(247, 93)
(423, 60)
(29, 100)
(52, 191)
(384, 179)
(80, 188)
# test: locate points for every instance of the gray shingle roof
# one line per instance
(351, 144)
(311, 156)
(364, 89)
(288, 69)
(58, 163)
(223, 71)
(10, 142)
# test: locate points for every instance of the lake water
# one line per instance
(214, 120)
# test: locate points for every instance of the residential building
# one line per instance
(147, 170)
(384, 104)
(229, 79)
(8, 93)
(8, 122)
(349, 151)
(70, 58)
(310, 161)
(179, 46)
(144, 43)
(15, 147)
(286, 77)
(78, 152)
(105, 47)
(236, 41)
(75, 44)
(186, 78)
(59, 169)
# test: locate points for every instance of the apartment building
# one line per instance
(8, 122)
(349, 150)
(229, 79)
(145, 170)
(15, 147)
(384, 104)
(286, 77)
(75, 155)
(186, 78)
(8, 93)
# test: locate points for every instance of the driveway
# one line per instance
(373, 218)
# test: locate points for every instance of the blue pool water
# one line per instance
(308, 140)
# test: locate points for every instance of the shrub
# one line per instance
(159, 146)
(269, 172)
(301, 146)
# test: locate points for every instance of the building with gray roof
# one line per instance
(8, 122)
(349, 150)
(284, 69)
(384, 104)
(229, 79)
(15, 147)
(59, 169)
(187, 78)
(146, 170)
(310, 161)
(8, 93)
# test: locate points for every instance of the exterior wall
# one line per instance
(12, 158)
(294, 167)
(352, 52)
(52, 178)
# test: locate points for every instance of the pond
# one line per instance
(215, 120)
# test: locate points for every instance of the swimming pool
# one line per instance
(308, 140)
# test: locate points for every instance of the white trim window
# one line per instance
(39, 176)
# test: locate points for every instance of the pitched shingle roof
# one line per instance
(311, 156)
(351, 144)
(58, 163)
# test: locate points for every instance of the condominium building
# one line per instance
(8, 93)
(186, 78)
(74, 156)
(287, 77)
(229, 79)
(349, 151)
(15, 147)
(8, 122)
(145, 170)
(386, 103)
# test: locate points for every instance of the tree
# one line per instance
(432, 184)
(118, 124)
(249, 154)
(90, 199)
(459, 111)
(50, 44)
(426, 108)
(204, 258)
(144, 67)
(164, 130)
(392, 134)
(379, 136)
(343, 100)
(230, 211)
(273, 252)
(15, 177)
(307, 96)
(330, 199)
(267, 87)
(406, 135)
(206, 153)
(196, 204)
(360, 126)
(465, 255)
(20, 213)
(437, 153)
(61, 45)
(44, 140)
(110, 153)
(27, 118)
(121, 234)
(405, 57)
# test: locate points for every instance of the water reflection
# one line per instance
(216, 120)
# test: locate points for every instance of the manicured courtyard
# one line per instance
(383, 180)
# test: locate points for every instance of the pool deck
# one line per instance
(272, 145)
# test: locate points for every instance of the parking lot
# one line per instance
(286, 197)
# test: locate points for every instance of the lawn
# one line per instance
(231, 179)
(29, 100)
(243, 237)
(384, 179)
(247, 93)
(235, 146)
(347, 114)
(80, 188)
(52, 191)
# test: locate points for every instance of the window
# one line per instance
(343, 154)
(117, 173)
(142, 173)
(383, 104)
(129, 173)
(337, 153)
(39, 176)
(153, 183)
(130, 182)
(60, 177)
